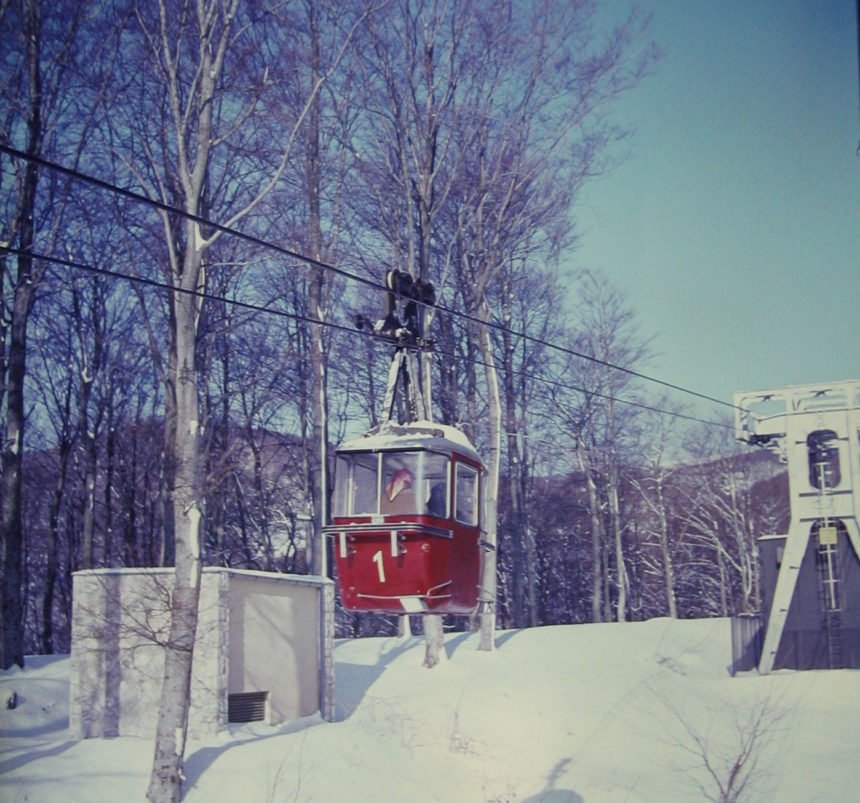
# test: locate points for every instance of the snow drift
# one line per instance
(595, 713)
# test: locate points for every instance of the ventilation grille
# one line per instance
(247, 707)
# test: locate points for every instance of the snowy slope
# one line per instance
(564, 714)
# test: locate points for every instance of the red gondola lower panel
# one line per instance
(407, 567)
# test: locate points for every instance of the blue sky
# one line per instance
(733, 224)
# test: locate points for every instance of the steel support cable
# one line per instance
(594, 393)
(173, 210)
(82, 266)
(254, 240)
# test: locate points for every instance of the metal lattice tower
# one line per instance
(815, 429)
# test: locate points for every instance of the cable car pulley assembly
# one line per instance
(404, 329)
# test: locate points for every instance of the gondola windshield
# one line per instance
(409, 482)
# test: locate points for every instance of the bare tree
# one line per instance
(476, 158)
(530, 303)
(722, 515)
(317, 292)
(318, 220)
(653, 484)
(528, 160)
(417, 57)
(196, 130)
(172, 37)
(728, 768)
(57, 390)
(29, 36)
(601, 432)
(80, 336)
(45, 114)
(185, 49)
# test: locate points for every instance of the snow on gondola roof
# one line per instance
(415, 435)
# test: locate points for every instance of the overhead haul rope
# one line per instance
(247, 305)
(254, 240)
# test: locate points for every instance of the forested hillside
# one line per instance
(688, 536)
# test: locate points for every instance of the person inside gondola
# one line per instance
(436, 503)
(398, 495)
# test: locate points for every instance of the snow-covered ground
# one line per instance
(563, 714)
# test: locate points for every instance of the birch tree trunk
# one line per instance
(316, 296)
(90, 365)
(665, 551)
(617, 539)
(597, 572)
(487, 598)
(517, 515)
(652, 490)
(194, 129)
(172, 728)
(434, 640)
(188, 44)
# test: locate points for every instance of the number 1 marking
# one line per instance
(377, 559)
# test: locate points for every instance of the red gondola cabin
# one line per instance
(407, 520)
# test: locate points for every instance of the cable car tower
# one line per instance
(815, 429)
(406, 513)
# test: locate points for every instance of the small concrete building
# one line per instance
(264, 650)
